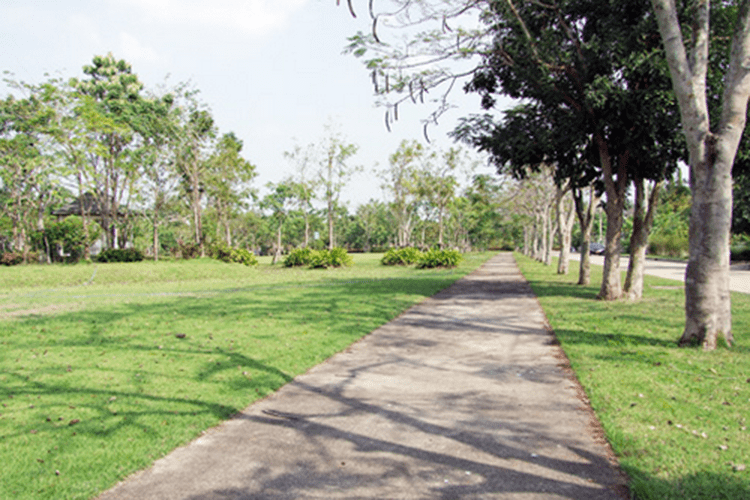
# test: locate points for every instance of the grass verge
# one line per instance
(105, 369)
(677, 418)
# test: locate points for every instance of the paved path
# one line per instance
(463, 396)
(739, 274)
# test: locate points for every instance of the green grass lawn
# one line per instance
(676, 417)
(105, 368)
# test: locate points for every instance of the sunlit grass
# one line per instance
(676, 417)
(99, 377)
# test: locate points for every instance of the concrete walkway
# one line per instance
(463, 396)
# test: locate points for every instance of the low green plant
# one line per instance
(677, 418)
(336, 257)
(740, 251)
(668, 245)
(225, 253)
(401, 256)
(299, 257)
(439, 258)
(244, 256)
(120, 255)
(189, 250)
(339, 257)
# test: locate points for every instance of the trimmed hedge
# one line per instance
(439, 258)
(120, 255)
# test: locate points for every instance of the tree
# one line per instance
(712, 148)
(304, 187)
(110, 105)
(437, 184)
(482, 216)
(279, 202)
(400, 179)
(443, 42)
(334, 173)
(24, 165)
(195, 132)
(531, 138)
(374, 224)
(228, 179)
(595, 63)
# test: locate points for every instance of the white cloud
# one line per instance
(134, 51)
(255, 18)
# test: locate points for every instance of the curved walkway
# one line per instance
(465, 395)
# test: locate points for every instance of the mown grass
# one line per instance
(676, 417)
(103, 372)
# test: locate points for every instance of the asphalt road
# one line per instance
(739, 279)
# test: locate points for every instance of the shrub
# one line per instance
(439, 258)
(244, 256)
(120, 255)
(337, 257)
(740, 253)
(317, 259)
(401, 256)
(189, 250)
(299, 257)
(11, 259)
(225, 253)
(668, 245)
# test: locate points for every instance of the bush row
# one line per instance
(337, 257)
(423, 260)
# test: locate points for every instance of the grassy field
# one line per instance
(105, 368)
(677, 418)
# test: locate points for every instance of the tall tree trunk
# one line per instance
(197, 216)
(526, 241)
(156, 239)
(711, 156)
(586, 216)
(565, 220)
(537, 238)
(615, 187)
(440, 228)
(643, 218)
(331, 243)
(307, 227)
(550, 231)
(84, 216)
(277, 253)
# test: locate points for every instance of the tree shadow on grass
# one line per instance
(701, 485)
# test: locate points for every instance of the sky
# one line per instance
(271, 71)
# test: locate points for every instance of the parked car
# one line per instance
(596, 249)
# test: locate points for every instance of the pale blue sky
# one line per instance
(271, 70)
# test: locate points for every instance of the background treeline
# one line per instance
(103, 159)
